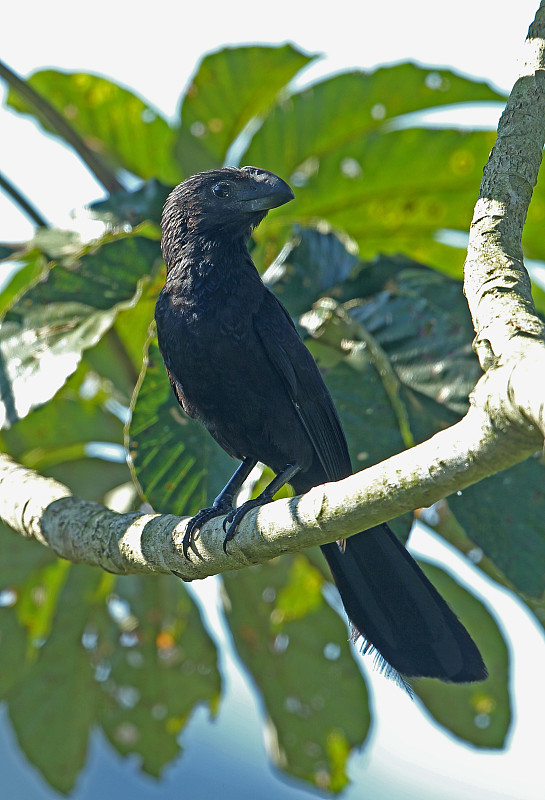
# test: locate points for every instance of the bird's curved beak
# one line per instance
(264, 191)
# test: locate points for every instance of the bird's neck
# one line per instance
(214, 263)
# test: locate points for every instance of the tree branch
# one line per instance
(81, 531)
(509, 334)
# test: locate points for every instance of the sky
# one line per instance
(153, 49)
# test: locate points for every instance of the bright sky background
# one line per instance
(153, 49)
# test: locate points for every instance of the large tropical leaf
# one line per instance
(503, 515)
(112, 120)
(46, 330)
(296, 649)
(231, 88)
(478, 713)
(163, 667)
(53, 708)
(325, 118)
(86, 649)
(391, 189)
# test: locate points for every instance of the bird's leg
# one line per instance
(221, 505)
(235, 515)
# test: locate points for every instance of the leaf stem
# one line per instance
(20, 200)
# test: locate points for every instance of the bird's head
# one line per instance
(219, 204)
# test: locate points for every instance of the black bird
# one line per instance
(236, 362)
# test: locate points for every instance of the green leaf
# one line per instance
(13, 649)
(532, 238)
(30, 266)
(48, 327)
(78, 415)
(86, 648)
(478, 713)
(163, 666)
(134, 207)
(301, 594)
(366, 413)
(423, 324)
(19, 557)
(392, 359)
(355, 104)
(177, 464)
(418, 316)
(409, 185)
(56, 243)
(297, 652)
(232, 87)
(38, 599)
(309, 265)
(503, 515)
(55, 438)
(90, 478)
(6, 251)
(133, 325)
(53, 708)
(390, 190)
(113, 121)
(59, 439)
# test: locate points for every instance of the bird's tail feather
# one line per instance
(398, 612)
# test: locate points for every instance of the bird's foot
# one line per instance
(234, 518)
(201, 518)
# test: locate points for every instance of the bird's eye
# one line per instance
(222, 189)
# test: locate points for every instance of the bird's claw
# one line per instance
(234, 518)
(195, 524)
(192, 528)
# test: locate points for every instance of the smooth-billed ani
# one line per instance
(236, 363)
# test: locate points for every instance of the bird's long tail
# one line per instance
(398, 612)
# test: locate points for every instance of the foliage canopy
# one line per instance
(362, 261)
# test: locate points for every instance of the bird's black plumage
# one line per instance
(236, 363)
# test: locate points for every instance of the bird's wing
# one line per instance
(303, 382)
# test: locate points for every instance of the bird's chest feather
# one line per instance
(205, 335)
(220, 371)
